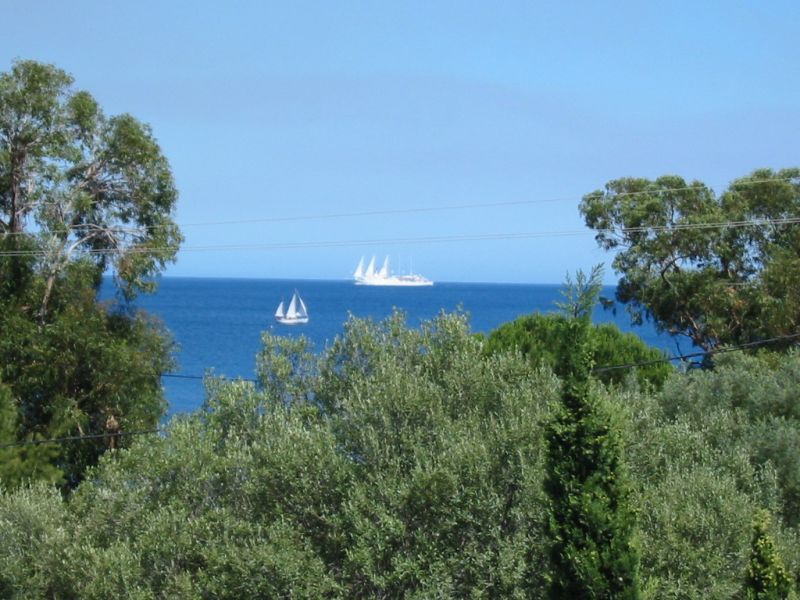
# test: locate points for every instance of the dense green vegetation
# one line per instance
(541, 339)
(418, 463)
(766, 576)
(409, 463)
(719, 269)
(544, 338)
(80, 192)
(592, 526)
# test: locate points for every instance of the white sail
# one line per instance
(291, 312)
(359, 269)
(302, 313)
(371, 268)
(384, 272)
(279, 314)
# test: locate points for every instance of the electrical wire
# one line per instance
(430, 239)
(202, 377)
(604, 369)
(73, 438)
(428, 209)
(705, 353)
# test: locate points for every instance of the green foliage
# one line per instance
(759, 395)
(19, 464)
(80, 192)
(285, 366)
(766, 576)
(546, 340)
(701, 463)
(410, 463)
(541, 339)
(446, 496)
(581, 296)
(420, 478)
(96, 187)
(34, 538)
(715, 285)
(83, 366)
(593, 550)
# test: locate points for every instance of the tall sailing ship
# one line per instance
(369, 275)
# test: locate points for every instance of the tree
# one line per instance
(407, 463)
(593, 554)
(21, 463)
(75, 183)
(418, 476)
(540, 337)
(80, 193)
(766, 578)
(718, 269)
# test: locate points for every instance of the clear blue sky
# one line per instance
(273, 109)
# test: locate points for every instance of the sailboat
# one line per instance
(296, 314)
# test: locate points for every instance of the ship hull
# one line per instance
(286, 321)
(394, 282)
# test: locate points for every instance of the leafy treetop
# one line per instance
(718, 269)
(82, 184)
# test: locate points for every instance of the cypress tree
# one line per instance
(592, 525)
(766, 576)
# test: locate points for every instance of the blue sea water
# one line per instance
(217, 323)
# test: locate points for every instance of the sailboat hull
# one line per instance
(291, 321)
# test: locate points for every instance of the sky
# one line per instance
(456, 137)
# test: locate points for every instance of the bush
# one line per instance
(408, 463)
(540, 338)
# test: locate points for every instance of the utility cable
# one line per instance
(428, 209)
(73, 438)
(726, 349)
(723, 350)
(431, 239)
(603, 369)
(202, 377)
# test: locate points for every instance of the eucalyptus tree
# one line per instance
(81, 193)
(80, 185)
(717, 268)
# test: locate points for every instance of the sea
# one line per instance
(217, 323)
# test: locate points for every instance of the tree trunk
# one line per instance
(51, 279)
(15, 223)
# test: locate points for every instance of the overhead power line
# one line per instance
(75, 438)
(202, 377)
(426, 209)
(434, 239)
(603, 369)
(724, 350)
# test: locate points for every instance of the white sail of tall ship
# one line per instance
(359, 272)
(370, 276)
(296, 314)
(370, 272)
